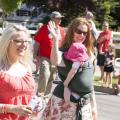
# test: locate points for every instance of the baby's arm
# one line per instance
(70, 75)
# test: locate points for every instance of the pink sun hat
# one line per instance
(76, 52)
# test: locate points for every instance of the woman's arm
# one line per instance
(35, 49)
(93, 106)
(101, 39)
(4, 108)
(104, 38)
(55, 56)
(23, 110)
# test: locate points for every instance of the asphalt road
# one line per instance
(108, 106)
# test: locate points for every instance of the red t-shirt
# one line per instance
(42, 37)
(103, 46)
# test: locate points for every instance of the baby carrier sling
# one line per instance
(82, 81)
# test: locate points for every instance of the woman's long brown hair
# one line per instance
(70, 33)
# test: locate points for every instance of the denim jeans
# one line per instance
(46, 76)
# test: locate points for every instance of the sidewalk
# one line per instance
(99, 88)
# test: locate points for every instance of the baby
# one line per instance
(77, 53)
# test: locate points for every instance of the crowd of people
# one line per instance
(106, 55)
(65, 58)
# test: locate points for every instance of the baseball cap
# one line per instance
(56, 14)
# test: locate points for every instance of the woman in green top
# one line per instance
(72, 77)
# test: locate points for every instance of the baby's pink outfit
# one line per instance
(77, 52)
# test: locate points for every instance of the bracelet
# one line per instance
(4, 109)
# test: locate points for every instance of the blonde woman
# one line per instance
(16, 82)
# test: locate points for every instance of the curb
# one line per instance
(111, 91)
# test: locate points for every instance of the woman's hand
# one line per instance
(54, 31)
(67, 94)
(94, 114)
(93, 106)
(22, 110)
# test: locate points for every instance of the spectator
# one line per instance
(36, 61)
(39, 26)
(103, 41)
(89, 16)
(43, 43)
(94, 49)
(118, 86)
(117, 64)
(81, 88)
(94, 34)
(16, 82)
(108, 67)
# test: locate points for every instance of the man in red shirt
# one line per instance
(43, 44)
(104, 40)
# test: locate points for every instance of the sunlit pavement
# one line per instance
(108, 106)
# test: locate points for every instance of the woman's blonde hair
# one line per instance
(70, 33)
(10, 31)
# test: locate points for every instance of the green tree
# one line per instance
(102, 9)
(69, 8)
(9, 6)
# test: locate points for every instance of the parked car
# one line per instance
(32, 26)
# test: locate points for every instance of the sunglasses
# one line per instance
(78, 31)
(20, 42)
